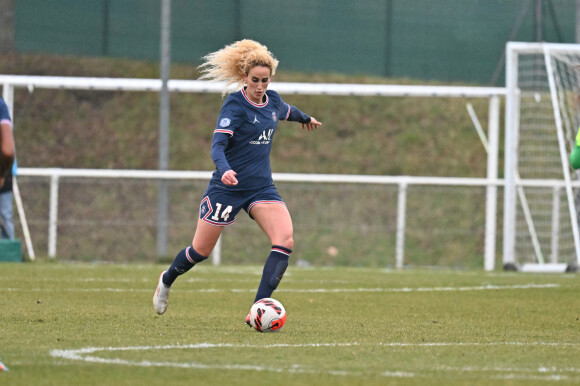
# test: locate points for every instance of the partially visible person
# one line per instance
(6, 195)
(575, 155)
(7, 170)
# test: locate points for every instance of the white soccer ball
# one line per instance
(267, 315)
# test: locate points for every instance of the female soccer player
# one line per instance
(240, 149)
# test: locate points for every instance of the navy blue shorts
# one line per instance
(220, 207)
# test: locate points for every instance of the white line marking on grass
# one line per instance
(310, 290)
(83, 355)
(90, 354)
(541, 370)
(426, 289)
(457, 344)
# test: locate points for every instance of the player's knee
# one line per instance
(204, 251)
(286, 242)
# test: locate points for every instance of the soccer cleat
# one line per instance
(161, 296)
(248, 320)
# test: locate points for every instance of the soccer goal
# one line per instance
(541, 191)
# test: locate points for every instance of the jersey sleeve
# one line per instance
(218, 152)
(291, 113)
(4, 114)
(228, 115)
(224, 130)
(296, 115)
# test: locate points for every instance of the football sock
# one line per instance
(273, 271)
(183, 262)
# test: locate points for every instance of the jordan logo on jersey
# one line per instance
(256, 119)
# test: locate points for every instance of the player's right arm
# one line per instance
(221, 136)
(218, 146)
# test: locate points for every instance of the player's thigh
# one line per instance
(206, 237)
(276, 222)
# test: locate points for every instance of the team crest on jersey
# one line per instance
(274, 116)
(225, 122)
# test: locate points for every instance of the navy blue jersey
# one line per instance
(242, 139)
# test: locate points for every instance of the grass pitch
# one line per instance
(86, 324)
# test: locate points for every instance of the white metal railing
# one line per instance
(201, 86)
(493, 94)
(56, 174)
(491, 181)
(402, 182)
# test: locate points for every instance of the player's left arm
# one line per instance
(295, 115)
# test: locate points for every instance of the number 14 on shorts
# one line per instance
(217, 214)
(221, 215)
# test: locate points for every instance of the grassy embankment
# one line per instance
(361, 135)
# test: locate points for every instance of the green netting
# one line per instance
(446, 40)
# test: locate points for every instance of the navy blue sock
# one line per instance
(183, 262)
(273, 271)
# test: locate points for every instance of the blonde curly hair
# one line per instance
(234, 61)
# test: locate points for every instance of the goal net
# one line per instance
(541, 192)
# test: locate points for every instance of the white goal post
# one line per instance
(541, 190)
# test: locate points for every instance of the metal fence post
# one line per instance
(401, 221)
(53, 214)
